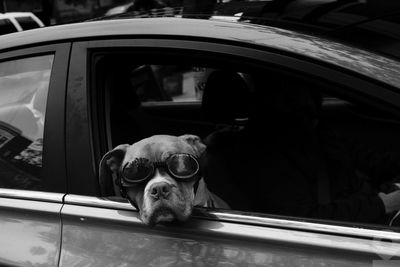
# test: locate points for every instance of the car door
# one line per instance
(32, 163)
(104, 230)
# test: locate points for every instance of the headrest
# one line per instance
(225, 97)
(122, 92)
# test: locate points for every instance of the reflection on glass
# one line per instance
(154, 83)
(24, 86)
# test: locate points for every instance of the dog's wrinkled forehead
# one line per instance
(159, 148)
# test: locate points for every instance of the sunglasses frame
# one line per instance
(126, 182)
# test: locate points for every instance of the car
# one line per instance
(70, 93)
(18, 21)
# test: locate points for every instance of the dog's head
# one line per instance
(148, 172)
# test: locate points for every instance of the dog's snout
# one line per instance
(160, 190)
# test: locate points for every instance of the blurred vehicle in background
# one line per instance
(118, 9)
(18, 21)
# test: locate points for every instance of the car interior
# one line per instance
(144, 96)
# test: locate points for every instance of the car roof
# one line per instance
(373, 24)
(17, 14)
(353, 59)
(13, 15)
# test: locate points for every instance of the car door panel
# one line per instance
(97, 231)
(30, 228)
(103, 232)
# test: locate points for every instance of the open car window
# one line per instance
(277, 143)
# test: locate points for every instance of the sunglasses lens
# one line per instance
(183, 165)
(137, 170)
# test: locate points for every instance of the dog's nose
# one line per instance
(160, 190)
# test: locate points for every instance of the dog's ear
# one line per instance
(110, 163)
(195, 142)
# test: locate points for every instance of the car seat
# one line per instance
(225, 98)
(123, 99)
(225, 102)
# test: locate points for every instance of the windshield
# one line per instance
(27, 23)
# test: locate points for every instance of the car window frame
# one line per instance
(17, 28)
(54, 171)
(81, 62)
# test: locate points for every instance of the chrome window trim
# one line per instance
(17, 204)
(325, 228)
(237, 217)
(99, 202)
(31, 195)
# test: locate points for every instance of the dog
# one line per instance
(161, 177)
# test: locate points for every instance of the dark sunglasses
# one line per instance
(179, 166)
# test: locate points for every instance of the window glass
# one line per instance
(6, 26)
(27, 23)
(24, 86)
(155, 83)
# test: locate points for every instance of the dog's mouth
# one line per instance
(163, 212)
